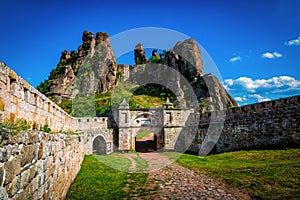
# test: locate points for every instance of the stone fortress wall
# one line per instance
(265, 125)
(19, 100)
(37, 165)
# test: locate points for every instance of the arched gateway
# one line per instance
(99, 145)
(138, 128)
(158, 128)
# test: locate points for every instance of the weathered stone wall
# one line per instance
(265, 125)
(20, 100)
(37, 165)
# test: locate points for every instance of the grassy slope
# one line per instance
(269, 174)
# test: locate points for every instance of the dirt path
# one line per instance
(177, 182)
(155, 161)
(131, 157)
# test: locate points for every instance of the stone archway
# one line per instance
(99, 145)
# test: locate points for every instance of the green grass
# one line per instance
(115, 161)
(141, 164)
(143, 133)
(96, 180)
(268, 174)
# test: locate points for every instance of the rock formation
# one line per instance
(93, 69)
(185, 57)
(94, 56)
(189, 58)
(139, 54)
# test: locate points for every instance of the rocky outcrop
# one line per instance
(62, 86)
(92, 69)
(98, 72)
(219, 97)
(185, 57)
(139, 54)
(189, 58)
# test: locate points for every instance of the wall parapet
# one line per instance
(18, 99)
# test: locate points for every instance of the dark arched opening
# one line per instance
(99, 145)
(144, 142)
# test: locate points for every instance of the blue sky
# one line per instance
(255, 44)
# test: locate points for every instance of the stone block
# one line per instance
(3, 194)
(50, 171)
(12, 169)
(27, 154)
(12, 74)
(28, 192)
(40, 192)
(14, 186)
(2, 104)
(26, 85)
(25, 179)
(41, 166)
(40, 151)
(31, 137)
(32, 173)
(1, 174)
(35, 184)
(3, 154)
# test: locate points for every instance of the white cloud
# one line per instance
(240, 99)
(273, 83)
(258, 97)
(295, 42)
(247, 90)
(229, 82)
(268, 55)
(277, 55)
(271, 55)
(235, 59)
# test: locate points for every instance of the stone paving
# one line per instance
(177, 182)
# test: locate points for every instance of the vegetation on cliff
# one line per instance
(91, 75)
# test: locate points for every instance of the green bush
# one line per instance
(66, 105)
(44, 87)
(12, 128)
(45, 128)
